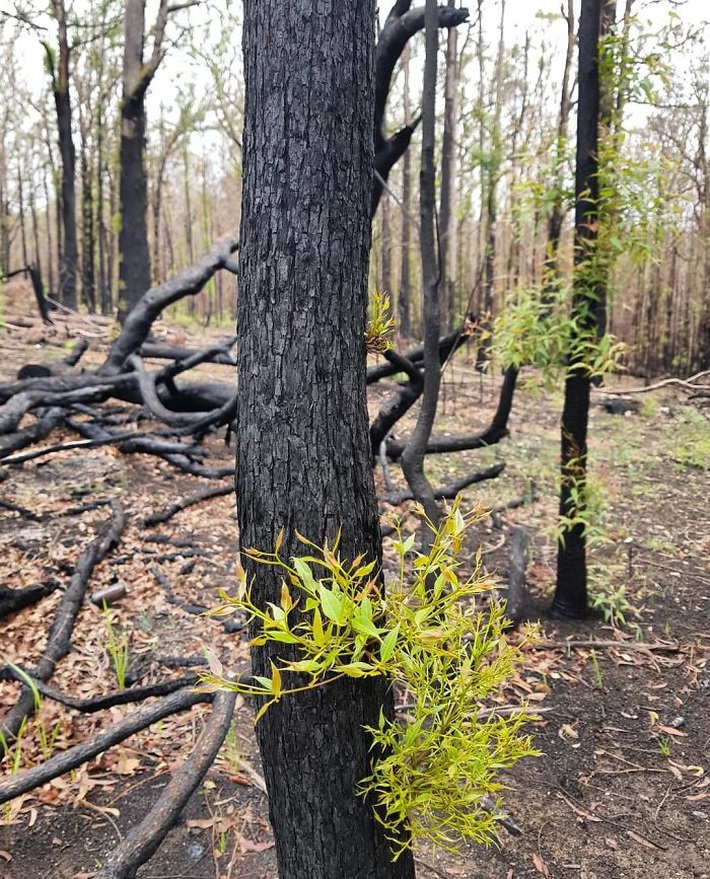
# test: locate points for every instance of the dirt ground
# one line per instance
(622, 787)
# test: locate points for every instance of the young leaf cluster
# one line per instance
(431, 772)
(380, 324)
(538, 328)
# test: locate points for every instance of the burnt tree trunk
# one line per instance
(62, 101)
(134, 258)
(415, 452)
(404, 299)
(570, 599)
(304, 457)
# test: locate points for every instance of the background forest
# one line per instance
(505, 139)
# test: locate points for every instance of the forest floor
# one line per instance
(622, 786)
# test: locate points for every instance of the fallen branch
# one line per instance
(21, 511)
(13, 600)
(113, 439)
(20, 439)
(657, 646)
(219, 356)
(143, 840)
(66, 761)
(62, 626)
(686, 384)
(447, 492)
(99, 703)
(205, 495)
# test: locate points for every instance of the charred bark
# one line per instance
(570, 600)
(304, 456)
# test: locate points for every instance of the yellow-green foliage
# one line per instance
(380, 324)
(429, 637)
(538, 328)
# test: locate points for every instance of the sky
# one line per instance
(521, 16)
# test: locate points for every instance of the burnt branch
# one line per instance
(114, 734)
(189, 282)
(447, 345)
(401, 25)
(398, 405)
(143, 841)
(449, 491)
(494, 433)
(184, 503)
(62, 626)
(99, 703)
(12, 600)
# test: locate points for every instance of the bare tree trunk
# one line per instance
(88, 248)
(62, 100)
(404, 302)
(134, 258)
(447, 203)
(50, 260)
(570, 600)
(490, 171)
(556, 215)
(35, 231)
(21, 211)
(414, 454)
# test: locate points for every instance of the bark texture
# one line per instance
(304, 456)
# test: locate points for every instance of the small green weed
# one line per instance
(649, 406)
(117, 647)
(660, 544)
(607, 594)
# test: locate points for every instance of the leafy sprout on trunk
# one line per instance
(434, 771)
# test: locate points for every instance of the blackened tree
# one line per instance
(58, 66)
(138, 73)
(304, 455)
(589, 312)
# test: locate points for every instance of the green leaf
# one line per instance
(356, 669)
(305, 575)
(365, 626)
(363, 571)
(388, 644)
(318, 636)
(283, 637)
(275, 680)
(260, 713)
(265, 682)
(331, 603)
(311, 666)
